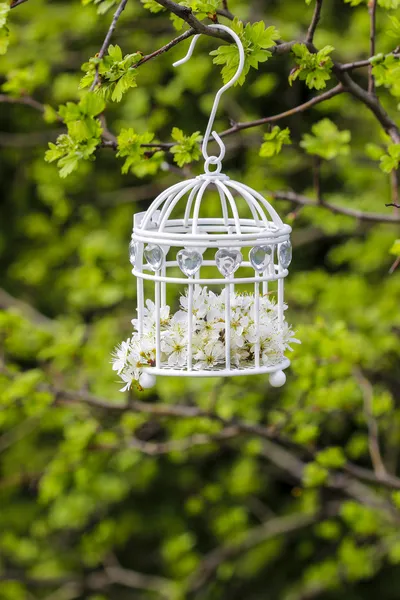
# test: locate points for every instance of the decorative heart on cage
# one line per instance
(189, 261)
(226, 325)
(260, 257)
(228, 261)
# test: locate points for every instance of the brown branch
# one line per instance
(165, 48)
(223, 12)
(342, 210)
(315, 20)
(9, 302)
(16, 3)
(372, 15)
(185, 444)
(288, 113)
(317, 178)
(358, 64)
(370, 101)
(138, 581)
(394, 186)
(27, 100)
(275, 527)
(373, 432)
(186, 14)
(107, 40)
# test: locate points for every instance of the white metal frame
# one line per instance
(263, 228)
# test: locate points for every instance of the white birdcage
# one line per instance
(247, 244)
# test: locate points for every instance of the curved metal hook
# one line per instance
(208, 133)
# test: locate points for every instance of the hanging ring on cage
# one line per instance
(219, 93)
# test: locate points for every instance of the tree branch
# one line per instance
(358, 64)
(107, 40)
(7, 301)
(186, 14)
(16, 3)
(315, 20)
(373, 432)
(341, 210)
(339, 89)
(275, 527)
(27, 100)
(372, 35)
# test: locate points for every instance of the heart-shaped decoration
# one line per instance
(189, 261)
(228, 261)
(285, 254)
(132, 252)
(260, 257)
(154, 256)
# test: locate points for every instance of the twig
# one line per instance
(275, 527)
(373, 432)
(16, 3)
(342, 210)
(372, 35)
(165, 48)
(138, 581)
(339, 89)
(27, 100)
(317, 178)
(394, 265)
(200, 439)
(314, 22)
(394, 186)
(370, 101)
(107, 40)
(186, 14)
(358, 64)
(7, 301)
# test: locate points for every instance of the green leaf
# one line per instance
(394, 32)
(187, 148)
(130, 147)
(327, 141)
(116, 73)
(395, 249)
(313, 68)
(331, 458)
(152, 6)
(386, 70)
(274, 140)
(389, 4)
(314, 475)
(257, 41)
(4, 11)
(390, 161)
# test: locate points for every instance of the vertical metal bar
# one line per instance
(280, 301)
(139, 289)
(228, 325)
(163, 287)
(158, 328)
(265, 287)
(257, 322)
(190, 324)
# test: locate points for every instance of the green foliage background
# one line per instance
(90, 505)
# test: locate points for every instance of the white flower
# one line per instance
(120, 356)
(175, 348)
(271, 338)
(149, 317)
(199, 307)
(210, 356)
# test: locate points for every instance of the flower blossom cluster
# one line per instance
(208, 335)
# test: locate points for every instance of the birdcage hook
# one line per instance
(216, 160)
